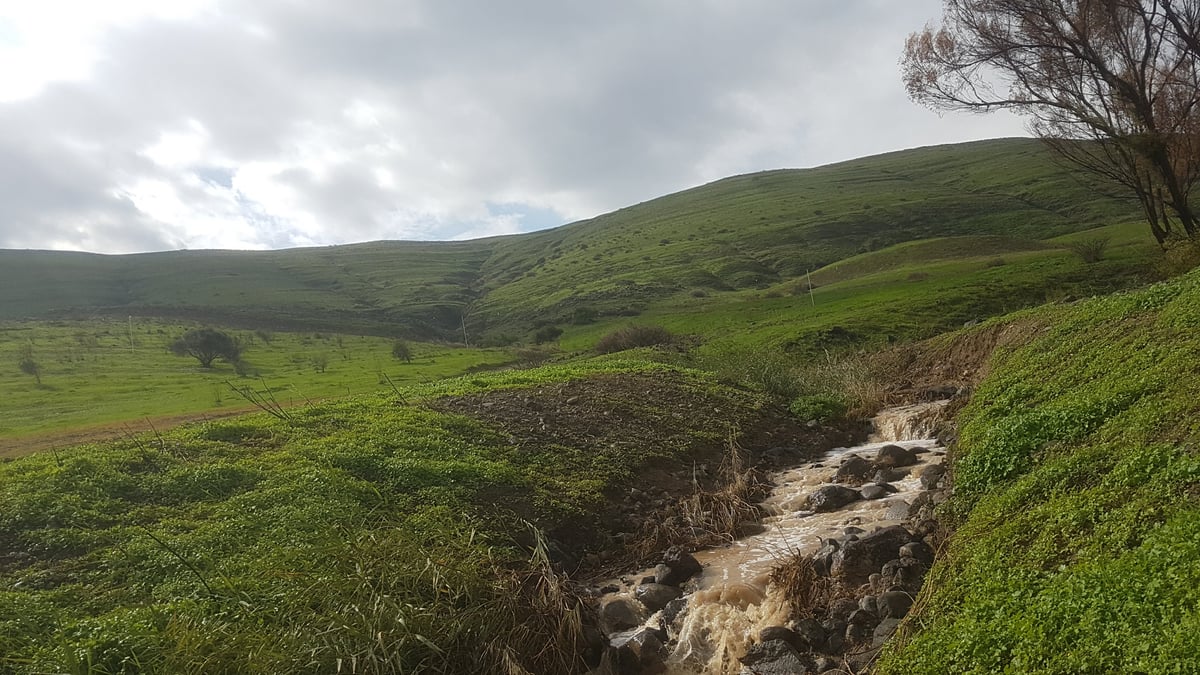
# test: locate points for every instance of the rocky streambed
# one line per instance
(833, 567)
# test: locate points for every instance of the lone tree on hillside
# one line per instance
(401, 351)
(31, 367)
(207, 345)
(1112, 86)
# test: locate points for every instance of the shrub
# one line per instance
(547, 334)
(631, 337)
(996, 262)
(1090, 250)
(206, 345)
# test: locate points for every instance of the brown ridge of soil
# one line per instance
(667, 428)
(957, 360)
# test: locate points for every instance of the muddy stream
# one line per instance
(731, 600)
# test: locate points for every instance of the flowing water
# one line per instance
(732, 598)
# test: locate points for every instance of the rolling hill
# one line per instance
(745, 232)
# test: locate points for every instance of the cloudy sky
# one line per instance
(140, 125)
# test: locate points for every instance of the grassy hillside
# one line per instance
(364, 535)
(746, 232)
(104, 373)
(1076, 493)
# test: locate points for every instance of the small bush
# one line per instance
(631, 337)
(1179, 256)
(819, 407)
(547, 334)
(401, 351)
(699, 293)
(996, 262)
(918, 276)
(1090, 251)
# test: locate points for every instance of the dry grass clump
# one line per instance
(632, 337)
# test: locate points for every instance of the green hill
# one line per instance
(744, 232)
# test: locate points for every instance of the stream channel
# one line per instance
(731, 600)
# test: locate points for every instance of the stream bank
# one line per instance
(816, 587)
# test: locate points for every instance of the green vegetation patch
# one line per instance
(1077, 494)
(391, 533)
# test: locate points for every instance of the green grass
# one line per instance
(906, 292)
(91, 375)
(1076, 490)
(365, 532)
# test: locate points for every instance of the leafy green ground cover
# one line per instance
(90, 373)
(357, 535)
(1076, 494)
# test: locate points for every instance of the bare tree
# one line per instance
(1113, 86)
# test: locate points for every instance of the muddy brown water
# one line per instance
(732, 599)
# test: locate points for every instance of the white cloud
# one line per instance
(214, 123)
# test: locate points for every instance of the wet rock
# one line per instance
(594, 644)
(811, 632)
(832, 497)
(857, 632)
(863, 617)
(932, 475)
(895, 455)
(906, 573)
(772, 658)
(868, 603)
(894, 604)
(638, 651)
(621, 614)
(656, 596)
(890, 475)
(854, 469)
(837, 637)
(883, 631)
(897, 510)
(647, 580)
(872, 491)
(680, 565)
(611, 588)
(859, 559)
(785, 634)
(673, 610)
(853, 530)
(917, 550)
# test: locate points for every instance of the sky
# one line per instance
(144, 125)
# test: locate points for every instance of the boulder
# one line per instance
(785, 634)
(775, 657)
(857, 560)
(884, 631)
(656, 596)
(854, 469)
(894, 604)
(917, 550)
(811, 632)
(891, 456)
(638, 651)
(621, 614)
(871, 491)
(890, 475)
(897, 510)
(832, 497)
(680, 565)
(932, 475)
(673, 609)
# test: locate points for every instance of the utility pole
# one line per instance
(811, 297)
